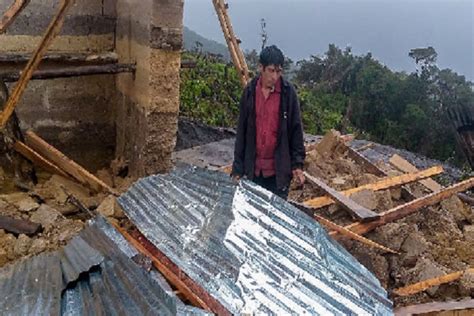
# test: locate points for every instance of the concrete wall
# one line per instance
(76, 115)
(95, 119)
(150, 33)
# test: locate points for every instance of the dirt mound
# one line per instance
(432, 242)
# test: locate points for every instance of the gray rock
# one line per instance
(22, 245)
(365, 198)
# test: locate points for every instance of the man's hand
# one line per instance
(298, 175)
(235, 178)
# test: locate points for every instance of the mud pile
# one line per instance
(432, 242)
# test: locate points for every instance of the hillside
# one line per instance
(208, 46)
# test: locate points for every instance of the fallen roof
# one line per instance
(249, 249)
(93, 274)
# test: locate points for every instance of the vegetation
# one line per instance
(350, 93)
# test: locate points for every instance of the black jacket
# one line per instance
(290, 151)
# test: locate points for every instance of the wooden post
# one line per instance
(20, 87)
(12, 13)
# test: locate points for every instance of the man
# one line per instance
(269, 147)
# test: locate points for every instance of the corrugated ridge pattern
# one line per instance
(248, 248)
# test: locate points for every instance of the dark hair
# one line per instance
(271, 55)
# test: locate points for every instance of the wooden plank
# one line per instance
(466, 199)
(70, 71)
(404, 166)
(175, 276)
(426, 284)
(19, 226)
(51, 33)
(383, 184)
(410, 207)
(348, 233)
(365, 163)
(457, 308)
(62, 58)
(66, 164)
(12, 13)
(361, 212)
(37, 159)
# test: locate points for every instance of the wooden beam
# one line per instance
(383, 184)
(70, 71)
(69, 58)
(12, 13)
(410, 207)
(175, 276)
(37, 159)
(51, 33)
(455, 307)
(361, 212)
(348, 233)
(19, 226)
(404, 166)
(426, 284)
(66, 164)
(466, 199)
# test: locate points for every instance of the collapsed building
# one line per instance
(191, 241)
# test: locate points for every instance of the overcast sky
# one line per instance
(387, 28)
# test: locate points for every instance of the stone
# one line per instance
(27, 205)
(457, 208)
(469, 233)
(38, 245)
(3, 257)
(384, 200)
(105, 176)
(2, 233)
(22, 245)
(110, 208)
(365, 198)
(326, 146)
(46, 216)
(466, 284)
(413, 246)
(367, 178)
(427, 269)
(396, 193)
(392, 235)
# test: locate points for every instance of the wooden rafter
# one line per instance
(51, 33)
(12, 13)
(383, 184)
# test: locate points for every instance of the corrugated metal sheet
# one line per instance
(32, 287)
(93, 275)
(249, 249)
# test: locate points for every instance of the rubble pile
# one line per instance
(434, 241)
(61, 206)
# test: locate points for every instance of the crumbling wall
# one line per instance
(150, 33)
(76, 115)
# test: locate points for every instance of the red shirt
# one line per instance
(267, 120)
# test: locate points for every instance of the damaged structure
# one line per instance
(191, 241)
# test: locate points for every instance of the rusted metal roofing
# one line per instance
(252, 251)
(93, 275)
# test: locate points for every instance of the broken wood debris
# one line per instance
(358, 210)
(383, 184)
(66, 164)
(426, 284)
(340, 229)
(435, 307)
(404, 166)
(37, 159)
(51, 33)
(71, 71)
(19, 226)
(410, 207)
(184, 284)
(12, 13)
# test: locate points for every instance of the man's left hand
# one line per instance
(298, 175)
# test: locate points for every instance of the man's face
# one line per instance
(270, 75)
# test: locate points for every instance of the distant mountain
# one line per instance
(209, 46)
